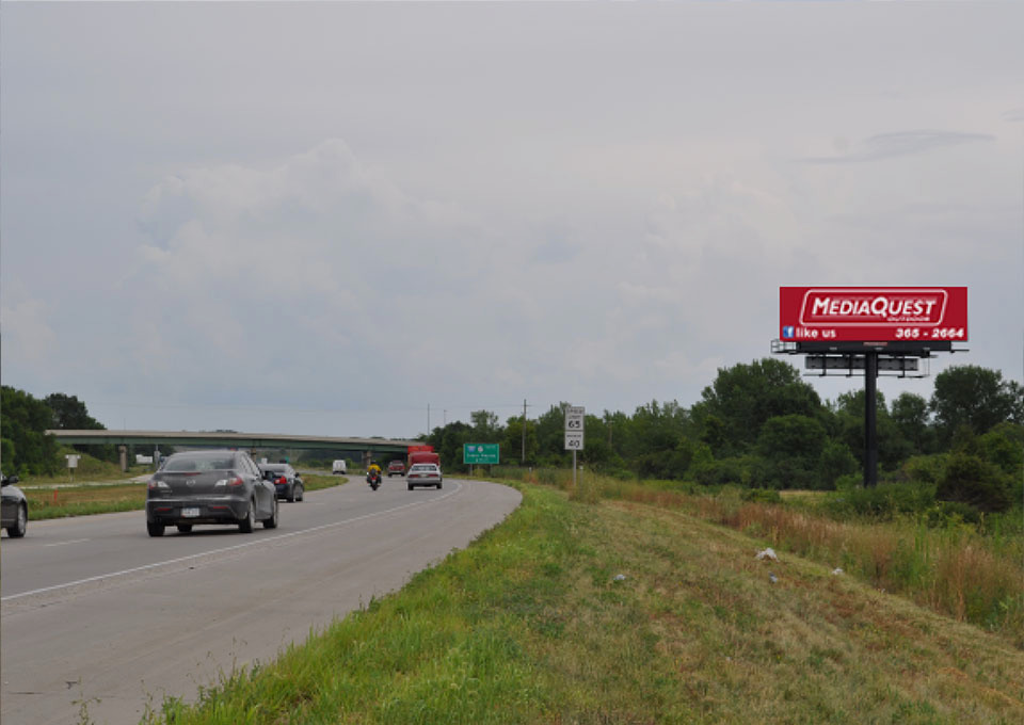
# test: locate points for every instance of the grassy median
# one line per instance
(613, 611)
(53, 501)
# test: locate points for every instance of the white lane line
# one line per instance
(65, 543)
(147, 567)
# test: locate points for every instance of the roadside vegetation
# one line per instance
(593, 609)
(898, 542)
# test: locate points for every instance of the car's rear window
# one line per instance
(199, 463)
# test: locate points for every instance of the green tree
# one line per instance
(893, 448)
(659, 428)
(1003, 446)
(835, 461)
(70, 413)
(792, 446)
(743, 397)
(974, 396)
(485, 427)
(910, 415)
(448, 442)
(550, 436)
(23, 424)
(7, 453)
(512, 444)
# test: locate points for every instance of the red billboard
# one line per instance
(872, 314)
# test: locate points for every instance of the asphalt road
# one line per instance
(98, 618)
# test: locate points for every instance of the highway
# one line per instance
(98, 618)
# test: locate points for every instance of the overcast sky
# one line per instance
(322, 218)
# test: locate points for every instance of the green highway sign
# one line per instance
(480, 453)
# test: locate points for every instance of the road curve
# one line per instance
(95, 614)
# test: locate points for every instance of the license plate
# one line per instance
(189, 513)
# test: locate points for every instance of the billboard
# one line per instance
(872, 314)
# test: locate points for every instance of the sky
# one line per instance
(355, 219)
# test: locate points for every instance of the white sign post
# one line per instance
(72, 464)
(574, 415)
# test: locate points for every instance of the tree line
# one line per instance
(761, 425)
(758, 425)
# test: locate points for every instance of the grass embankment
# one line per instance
(85, 499)
(620, 612)
(974, 573)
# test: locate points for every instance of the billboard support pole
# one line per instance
(870, 420)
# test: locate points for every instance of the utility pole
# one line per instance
(523, 461)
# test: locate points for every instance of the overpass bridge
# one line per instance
(360, 448)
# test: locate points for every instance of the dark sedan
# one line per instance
(13, 507)
(286, 480)
(210, 487)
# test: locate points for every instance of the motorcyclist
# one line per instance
(373, 469)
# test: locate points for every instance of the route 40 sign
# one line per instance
(574, 427)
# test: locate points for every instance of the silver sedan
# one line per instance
(424, 474)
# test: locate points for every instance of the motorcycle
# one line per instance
(373, 478)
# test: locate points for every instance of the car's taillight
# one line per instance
(229, 482)
(282, 480)
(155, 484)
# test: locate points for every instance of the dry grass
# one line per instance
(954, 571)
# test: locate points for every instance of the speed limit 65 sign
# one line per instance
(574, 427)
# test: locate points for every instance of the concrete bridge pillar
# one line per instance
(123, 452)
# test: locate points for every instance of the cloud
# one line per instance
(308, 278)
(900, 143)
(27, 331)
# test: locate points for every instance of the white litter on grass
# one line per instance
(837, 571)
(772, 578)
(768, 553)
(620, 577)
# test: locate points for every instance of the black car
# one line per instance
(13, 508)
(209, 487)
(286, 480)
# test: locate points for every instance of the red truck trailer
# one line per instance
(423, 457)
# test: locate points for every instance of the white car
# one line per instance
(424, 474)
(340, 466)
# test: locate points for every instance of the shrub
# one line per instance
(924, 469)
(885, 501)
(1003, 446)
(835, 461)
(947, 513)
(971, 480)
(762, 495)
